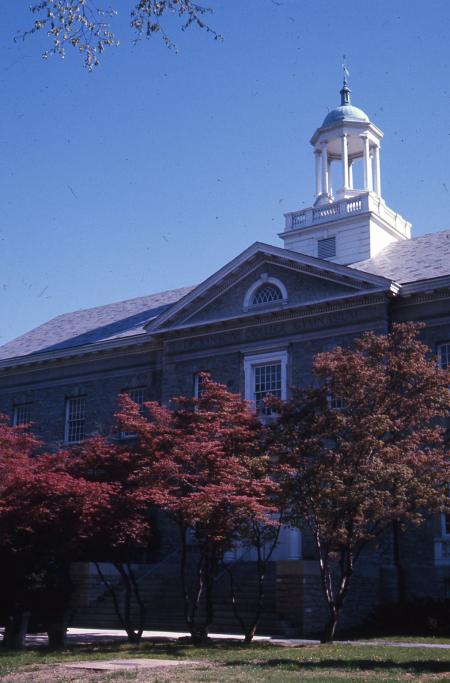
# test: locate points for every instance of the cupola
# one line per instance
(345, 137)
(349, 220)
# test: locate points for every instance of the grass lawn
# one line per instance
(230, 662)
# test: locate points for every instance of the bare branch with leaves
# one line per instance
(80, 24)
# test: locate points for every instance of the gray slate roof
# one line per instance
(420, 258)
(103, 323)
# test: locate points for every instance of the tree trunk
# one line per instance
(259, 542)
(211, 567)
(183, 577)
(334, 600)
(250, 633)
(16, 630)
(57, 630)
(55, 605)
(197, 632)
(134, 635)
(249, 630)
(330, 628)
(198, 625)
(139, 601)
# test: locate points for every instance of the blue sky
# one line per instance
(158, 168)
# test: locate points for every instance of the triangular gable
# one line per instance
(345, 281)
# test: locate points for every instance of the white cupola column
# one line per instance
(318, 178)
(377, 174)
(366, 164)
(344, 155)
(350, 174)
(325, 190)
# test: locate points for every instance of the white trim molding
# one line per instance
(251, 362)
(442, 542)
(443, 354)
(265, 279)
(75, 419)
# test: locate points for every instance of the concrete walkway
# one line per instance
(87, 636)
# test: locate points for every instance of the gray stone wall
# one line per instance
(300, 598)
(179, 374)
(99, 380)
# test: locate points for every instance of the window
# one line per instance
(139, 396)
(335, 402)
(75, 419)
(326, 248)
(444, 356)
(265, 375)
(442, 542)
(265, 290)
(267, 383)
(198, 385)
(445, 524)
(266, 295)
(22, 414)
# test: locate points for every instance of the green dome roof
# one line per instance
(346, 112)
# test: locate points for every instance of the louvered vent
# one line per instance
(327, 247)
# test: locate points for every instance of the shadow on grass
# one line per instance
(178, 648)
(351, 665)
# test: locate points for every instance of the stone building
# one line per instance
(348, 264)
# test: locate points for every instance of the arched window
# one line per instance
(265, 290)
(266, 294)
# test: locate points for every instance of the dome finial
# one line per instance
(345, 91)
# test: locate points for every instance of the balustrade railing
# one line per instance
(298, 219)
(354, 205)
(342, 208)
(324, 213)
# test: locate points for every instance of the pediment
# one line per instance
(303, 281)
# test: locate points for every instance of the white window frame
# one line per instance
(335, 402)
(134, 391)
(197, 383)
(251, 362)
(444, 533)
(16, 409)
(439, 353)
(68, 421)
(129, 393)
(264, 279)
(442, 542)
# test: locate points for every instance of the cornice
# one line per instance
(311, 309)
(426, 287)
(131, 344)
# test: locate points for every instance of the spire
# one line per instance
(345, 91)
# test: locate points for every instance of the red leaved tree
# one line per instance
(366, 450)
(207, 469)
(125, 532)
(45, 517)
